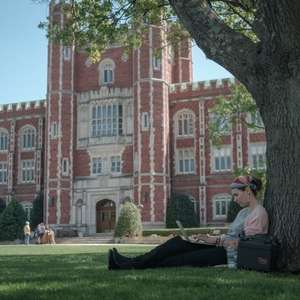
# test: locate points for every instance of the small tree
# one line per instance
(12, 221)
(129, 222)
(36, 215)
(181, 208)
(2, 206)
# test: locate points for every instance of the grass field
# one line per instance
(80, 272)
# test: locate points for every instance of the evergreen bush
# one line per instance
(12, 221)
(2, 206)
(129, 223)
(233, 209)
(180, 207)
(36, 214)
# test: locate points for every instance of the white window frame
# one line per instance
(257, 149)
(67, 52)
(115, 164)
(4, 140)
(28, 169)
(156, 62)
(222, 198)
(224, 152)
(27, 206)
(185, 124)
(3, 172)
(225, 129)
(186, 161)
(107, 66)
(97, 166)
(54, 130)
(107, 119)
(145, 121)
(256, 120)
(28, 138)
(65, 167)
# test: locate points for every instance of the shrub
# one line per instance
(36, 215)
(233, 209)
(181, 208)
(129, 222)
(2, 205)
(12, 221)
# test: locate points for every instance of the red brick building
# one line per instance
(129, 126)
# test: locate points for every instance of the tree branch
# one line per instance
(232, 50)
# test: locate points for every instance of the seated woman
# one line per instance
(211, 251)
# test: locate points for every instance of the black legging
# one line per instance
(177, 252)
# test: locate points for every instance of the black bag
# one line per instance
(257, 252)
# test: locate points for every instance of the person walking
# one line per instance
(27, 233)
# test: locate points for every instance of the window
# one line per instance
(28, 138)
(185, 124)
(256, 120)
(156, 60)
(115, 164)
(220, 123)
(54, 130)
(65, 167)
(97, 166)
(145, 121)
(107, 120)
(67, 53)
(3, 172)
(258, 156)
(220, 206)
(107, 67)
(221, 159)
(27, 208)
(186, 161)
(27, 171)
(3, 140)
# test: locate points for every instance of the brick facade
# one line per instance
(149, 99)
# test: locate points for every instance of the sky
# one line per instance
(23, 53)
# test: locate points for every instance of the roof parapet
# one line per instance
(22, 106)
(202, 85)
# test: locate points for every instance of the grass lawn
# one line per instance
(80, 272)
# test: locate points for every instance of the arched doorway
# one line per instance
(105, 215)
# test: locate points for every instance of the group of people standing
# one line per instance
(43, 233)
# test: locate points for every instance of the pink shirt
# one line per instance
(257, 222)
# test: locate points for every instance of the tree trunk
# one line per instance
(280, 112)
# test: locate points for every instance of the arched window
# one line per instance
(79, 205)
(28, 137)
(3, 139)
(106, 69)
(185, 123)
(27, 206)
(220, 206)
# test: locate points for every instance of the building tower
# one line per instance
(59, 128)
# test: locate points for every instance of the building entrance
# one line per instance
(105, 216)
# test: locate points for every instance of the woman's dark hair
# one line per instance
(255, 185)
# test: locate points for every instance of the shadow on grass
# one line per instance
(85, 276)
